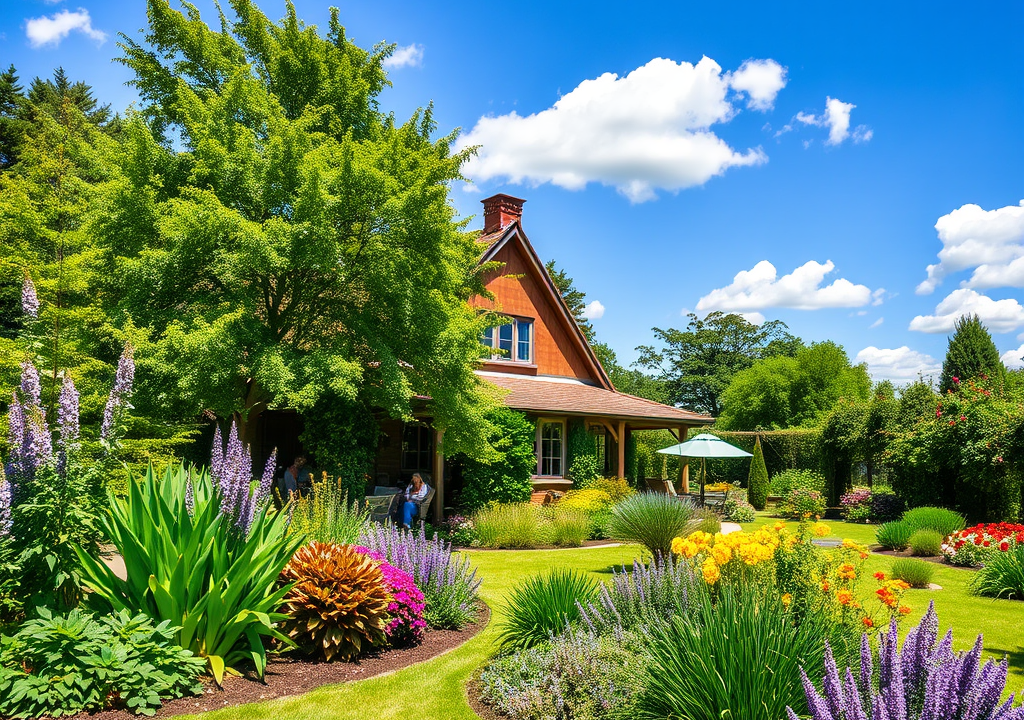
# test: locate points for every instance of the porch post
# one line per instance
(438, 476)
(684, 467)
(622, 448)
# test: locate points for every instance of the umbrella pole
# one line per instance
(703, 479)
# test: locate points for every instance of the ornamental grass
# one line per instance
(544, 606)
(651, 520)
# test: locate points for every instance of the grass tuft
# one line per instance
(916, 573)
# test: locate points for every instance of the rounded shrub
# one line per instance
(787, 481)
(544, 605)
(926, 543)
(652, 520)
(802, 503)
(338, 607)
(589, 500)
(916, 573)
(894, 535)
(944, 522)
(885, 505)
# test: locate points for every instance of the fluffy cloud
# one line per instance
(594, 310)
(999, 315)
(837, 119)
(760, 288)
(991, 241)
(407, 56)
(898, 364)
(1013, 359)
(760, 81)
(42, 31)
(646, 131)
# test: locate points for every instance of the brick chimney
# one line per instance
(500, 211)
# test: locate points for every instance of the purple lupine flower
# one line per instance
(31, 389)
(119, 393)
(231, 469)
(67, 421)
(18, 468)
(923, 680)
(29, 299)
(5, 503)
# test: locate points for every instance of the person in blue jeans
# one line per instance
(415, 493)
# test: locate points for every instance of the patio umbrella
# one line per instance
(705, 446)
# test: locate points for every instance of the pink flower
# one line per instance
(956, 379)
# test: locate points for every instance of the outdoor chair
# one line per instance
(381, 508)
(385, 490)
(421, 516)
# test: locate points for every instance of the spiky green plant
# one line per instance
(326, 516)
(894, 535)
(916, 573)
(513, 525)
(568, 526)
(1002, 576)
(543, 606)
(926, 543)
(652, 520)
(187, 563)
(941, 520)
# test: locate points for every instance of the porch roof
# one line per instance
(566, 396)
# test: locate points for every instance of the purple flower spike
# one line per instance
(67, 421)
(31, 390)
(119, 393)
(29, 299)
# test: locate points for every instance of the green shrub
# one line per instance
(926, 543)
(582, 455)
(508, 526)
(916, 573)
(757, 482)
(1002, 576)
(568, 526)
(894, 535)
(651, 520)
(326, 515)
(506, 479)
(736, 507)
(187, 563)
(544, 605)
(802, 503)
(618, 488)
(707, 521)
(941, 520)
(590, 500)
(885, 505)
(65, 664)
(737, 658)
(787, 481)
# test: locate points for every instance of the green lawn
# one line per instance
(435, 690)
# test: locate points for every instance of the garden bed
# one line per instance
(289, 676)
(586, 544)
(937, 559)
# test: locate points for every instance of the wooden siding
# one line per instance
(555, 351)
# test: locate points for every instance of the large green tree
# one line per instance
(971, 354)
(284, 239)
(575, 299)
(698, 363)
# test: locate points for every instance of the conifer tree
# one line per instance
(757, 482)
(971, 354)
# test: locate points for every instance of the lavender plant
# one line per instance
(120, 394)
(29, 299)
(448, 583)
(231, 470)
(923, 680)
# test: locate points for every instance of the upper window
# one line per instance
(514, 341)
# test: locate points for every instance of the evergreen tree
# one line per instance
(971, 354)
(575, 299)
(757, 482)
(12, 122)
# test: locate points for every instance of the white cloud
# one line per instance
(407, 56)
(837, 119)
(999, 315)
(42, 31)
(760, 288)
(754, 318)
(761, 81)
(1013, 359)
(594, 310)
(898, 364)
(991, 241)
(646, 131)
(876, 323)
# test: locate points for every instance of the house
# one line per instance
(547, 366)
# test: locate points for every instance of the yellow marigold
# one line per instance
(677, 545)
(779, 526)
(820, 529)
(721, 553)
(844, 597)
(846, 572)
(710, 571)
(787, 599)
(899, 585)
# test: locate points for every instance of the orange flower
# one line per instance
(787, 599)
(879, 576)
(904, 610)
(846, 572)
(868, 622)
(825, 586)
(845, 597)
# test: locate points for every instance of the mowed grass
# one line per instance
(435, 690)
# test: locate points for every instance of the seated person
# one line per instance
(296, 477)
(414, 494)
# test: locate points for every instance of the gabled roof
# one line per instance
(514, 233)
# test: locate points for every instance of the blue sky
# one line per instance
(656, 177)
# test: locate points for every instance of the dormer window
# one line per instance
(514, 341)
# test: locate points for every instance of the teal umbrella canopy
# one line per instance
(705, 446)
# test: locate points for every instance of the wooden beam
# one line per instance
(621, 442)
(610, 429)
(438, 476)
(684, 467)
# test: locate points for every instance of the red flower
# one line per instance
(986, 543)
(962, 418)
(956, 379)
(938, 413)
(952, 422)
(1004, 546)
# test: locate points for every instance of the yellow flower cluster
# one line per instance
(719, 550)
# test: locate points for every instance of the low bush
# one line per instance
(736, 507)
(326, 516)
(894, 535)
(787, 481)
(590, 500)
(459, 530)
(577, 675)
(567, 526)
(65, 664)
(336, 605)
(514, 525)
(885, 505)
(855, 505)
(543, 606)
(916, 573)
(618, 488)
(1002, 576)
(448, 583)
(802, 503)
(943, 521)
(645, 596)
(926, 543)
(651, 520)
(405, 623)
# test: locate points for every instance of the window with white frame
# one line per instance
(551, 458)
(512, 341)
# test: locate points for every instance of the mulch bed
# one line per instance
(292, 676)
(482, 709)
